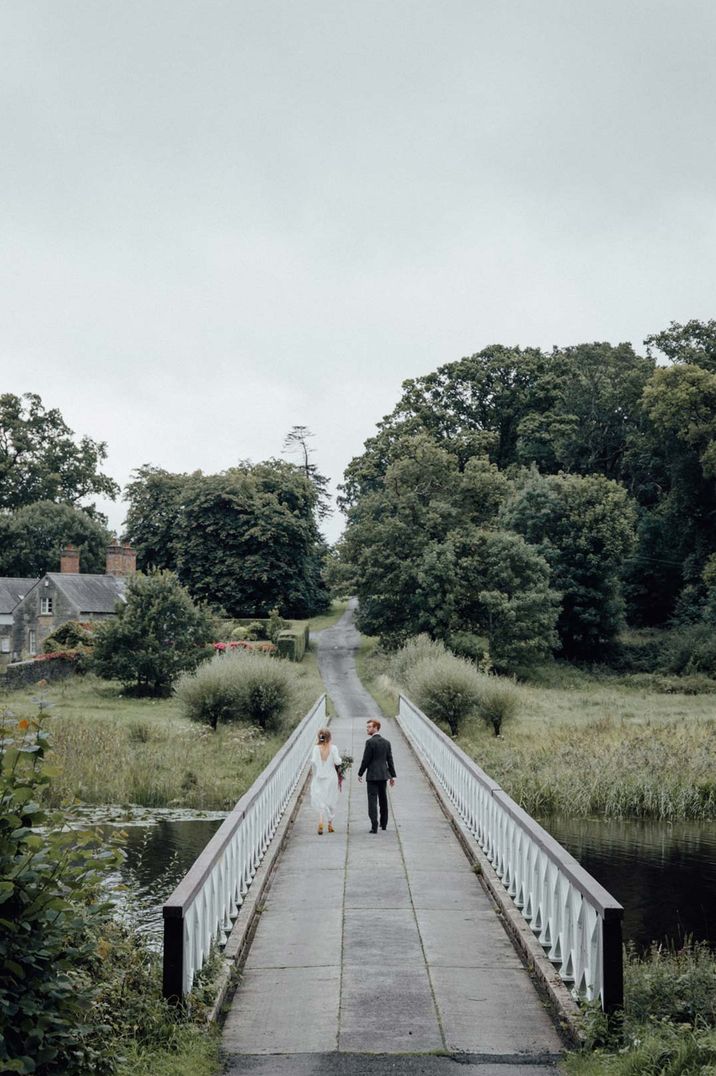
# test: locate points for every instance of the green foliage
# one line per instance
(690, 650)
(51, 916)
(292, 643)
(584, 528)
(245, 540)
(446, 688)
(257, 629)
(414, 650)
(158, 634)
(276, 624)
(669, 1026)
(70, 635)
(238, 687)
(32, 537)
(40, 460)
(498, 701)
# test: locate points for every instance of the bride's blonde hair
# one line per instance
(324, 736)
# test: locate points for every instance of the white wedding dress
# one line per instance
(324, 785)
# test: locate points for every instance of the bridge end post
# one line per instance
(173, 963)
(612, 962)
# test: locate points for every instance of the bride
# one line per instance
(324, 784)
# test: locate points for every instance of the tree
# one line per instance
(584, 527)
(694, 342)
(152, 525)
(158, 634)
(40, 460)
(296, 440)
(32, 538)
(244, 541)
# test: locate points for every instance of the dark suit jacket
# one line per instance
(377, 762)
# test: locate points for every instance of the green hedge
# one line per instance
(292, 643)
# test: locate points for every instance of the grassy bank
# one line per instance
(669, 1019)
(587, 745)
(109, 748)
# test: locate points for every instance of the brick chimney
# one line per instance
(121, 560)
(69, 560)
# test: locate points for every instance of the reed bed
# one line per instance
(112, 749)
(590, 746)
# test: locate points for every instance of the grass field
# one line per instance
(587, 745)
(109, 748)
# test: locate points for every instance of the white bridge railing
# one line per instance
(577, 922)
(201, 909)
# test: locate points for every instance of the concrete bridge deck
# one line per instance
(381, 953)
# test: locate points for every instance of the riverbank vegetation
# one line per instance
(669, 1026)
(111, 748)
(583, 745)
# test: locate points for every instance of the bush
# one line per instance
(276, 624)
(468, 645)
(52, 919)
(292, 644)
(239, 634)
(68, 636)
(238, 687)
(499, 701)
(690, 650)
(446, 688)
(414, 650)
(257, 629)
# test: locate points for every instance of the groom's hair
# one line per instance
(376, 722)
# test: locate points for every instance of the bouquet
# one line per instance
(343, 768)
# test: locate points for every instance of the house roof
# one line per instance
(12, 590)
(90, 593)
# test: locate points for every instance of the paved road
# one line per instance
(381, 953)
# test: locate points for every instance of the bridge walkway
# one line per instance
(386, 944)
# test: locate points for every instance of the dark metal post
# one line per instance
(613, 960)
(173, 955)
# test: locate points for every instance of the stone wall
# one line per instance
(21, 673)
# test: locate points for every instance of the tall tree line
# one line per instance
(606, 464)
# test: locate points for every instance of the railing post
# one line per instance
(173, 965)
(612, 963)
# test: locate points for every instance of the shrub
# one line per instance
(292, 644)
(499, 701)
(51, 922)
(240, 633)
(446, 688)
(257, 629)
(68, 636)
(276, 624)
(414, 650)
(468, 645)
(238, 687)
(690, 650)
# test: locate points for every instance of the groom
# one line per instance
(378, 766)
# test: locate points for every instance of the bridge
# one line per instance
(463, 932)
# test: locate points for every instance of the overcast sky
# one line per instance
(221, 219)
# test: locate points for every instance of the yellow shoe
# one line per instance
(330, 828)
(320, 830)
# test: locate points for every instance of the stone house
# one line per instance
(12, 591)
(68, 595)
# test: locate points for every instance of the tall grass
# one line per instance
(604, 767)
(585, 745)
(669, 1018)
(110, 749)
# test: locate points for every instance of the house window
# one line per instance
(45, 606)
(4, 646)
(32, 642)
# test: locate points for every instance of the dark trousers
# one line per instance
(377, 795)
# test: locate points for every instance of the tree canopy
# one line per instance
(32, 538)
(41, 460)
(244, 541)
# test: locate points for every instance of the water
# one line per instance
(160, 846)
(664, 874)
